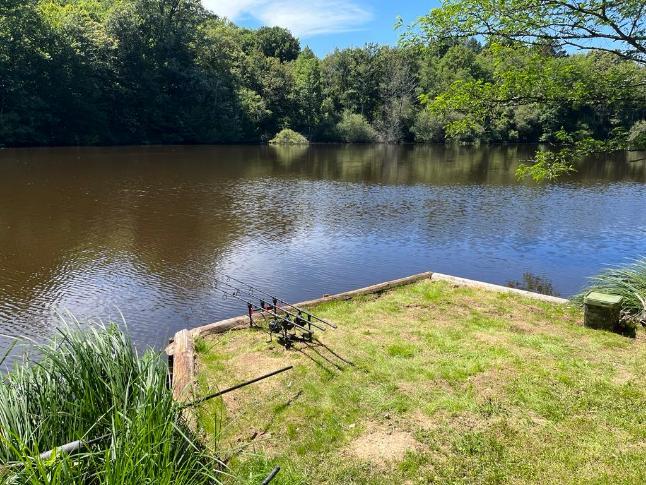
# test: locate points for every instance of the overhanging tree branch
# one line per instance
(584, 24)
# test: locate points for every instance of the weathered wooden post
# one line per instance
(602, 311)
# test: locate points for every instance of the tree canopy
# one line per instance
(86, 72)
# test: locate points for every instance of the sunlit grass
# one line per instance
(489, 387)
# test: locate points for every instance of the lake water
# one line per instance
(143, 231)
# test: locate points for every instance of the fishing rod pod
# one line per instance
(290, 326)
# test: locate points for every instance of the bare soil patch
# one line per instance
(380, 445)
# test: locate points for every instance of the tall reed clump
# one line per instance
(91, 385)
(628, 282)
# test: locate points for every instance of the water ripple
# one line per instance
(146, 231)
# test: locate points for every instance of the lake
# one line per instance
(145, 231)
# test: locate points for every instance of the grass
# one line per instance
(92, 386)
(446, 384)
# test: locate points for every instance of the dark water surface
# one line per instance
(145, 230)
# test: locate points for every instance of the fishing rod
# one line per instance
(266, 306)
(280, 325)
(277, 300)
(253, 307)
(283, 320)
(234, 388)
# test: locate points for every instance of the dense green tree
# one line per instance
(167, 71)
(218, 53)
(308, 92)
(396, 95)
(25, 106)
(159, 79)
(352, 78)
(277, 42)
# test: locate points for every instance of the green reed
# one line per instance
(91, 385)
(627, 281)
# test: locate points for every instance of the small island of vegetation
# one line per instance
(288, 137)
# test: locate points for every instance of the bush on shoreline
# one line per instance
(355, 128)
(637, 136)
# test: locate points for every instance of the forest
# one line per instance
(100, 72)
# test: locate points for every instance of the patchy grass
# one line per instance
(431, 382)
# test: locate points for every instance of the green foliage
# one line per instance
(617, 27)
(428, 127)
(396, 90)
(527, 89)
(523, 85)
(167, 71)
(308, 91)
(572, 148)
(92, 385)
(200, 345)
(277, 42)
(351, 78)
(637, 136)
(547, 166)
(288, 137)
(354, 128)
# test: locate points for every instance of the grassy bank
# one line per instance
(431, 382)
(92, 386)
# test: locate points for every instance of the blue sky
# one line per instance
(325, 24)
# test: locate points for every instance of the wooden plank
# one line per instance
(221, 326)
(183, 370)
(243, 320)
(378, 288)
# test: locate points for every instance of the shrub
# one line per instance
(637, 136)
(354, 128)
(200, 345)
(432, 127)
(288, 137)
(428, 128)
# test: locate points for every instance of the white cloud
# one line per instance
(304, 18)
(232, 9)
